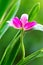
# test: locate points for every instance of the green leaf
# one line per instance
(30, 57)
(3, 30)
(6, 39)
(3, 6)
(10, 11)
(34, 11)
(11, 51)
(13, 7)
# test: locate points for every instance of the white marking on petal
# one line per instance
(24, 16)
(8, 21)
(38, 27)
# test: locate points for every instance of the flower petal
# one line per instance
(29, 25)
(38, 27)
(24, 19)
(16, 23)
(10, 23)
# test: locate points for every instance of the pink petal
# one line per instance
(24, 19)
(29, 25)
(16, 23)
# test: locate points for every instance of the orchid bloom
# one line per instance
(24, 24)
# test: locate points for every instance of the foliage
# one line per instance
(10, 38)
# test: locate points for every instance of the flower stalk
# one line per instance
(22, 44)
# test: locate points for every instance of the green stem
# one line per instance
(22, 44)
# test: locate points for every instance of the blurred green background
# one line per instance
(26, 6)
(33, 40)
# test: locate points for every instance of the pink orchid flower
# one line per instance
(23, 23)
